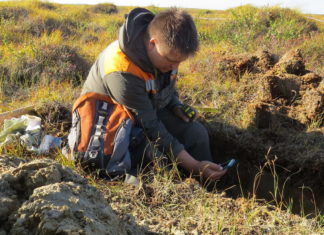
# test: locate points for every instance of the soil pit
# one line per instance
(280, 153)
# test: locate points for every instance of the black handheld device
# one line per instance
(228, 164)
(189, 111)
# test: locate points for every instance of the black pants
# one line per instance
(193, 135)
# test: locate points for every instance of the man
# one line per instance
(137, 74)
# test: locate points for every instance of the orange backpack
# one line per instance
(101, 128)
(97, 122)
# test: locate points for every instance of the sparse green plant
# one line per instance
(15, 148)
(317, 122)
(320, 219)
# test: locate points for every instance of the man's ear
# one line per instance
(151, 43)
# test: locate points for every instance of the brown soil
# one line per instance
(286, 118)
(288, 86)
(283, 86)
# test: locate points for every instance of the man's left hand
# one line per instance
(190, 116)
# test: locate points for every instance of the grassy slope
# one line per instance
(45, 53)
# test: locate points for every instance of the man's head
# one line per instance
(171, 38)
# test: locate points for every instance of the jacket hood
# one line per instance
(131, 37)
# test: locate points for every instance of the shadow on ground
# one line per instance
(285, 168)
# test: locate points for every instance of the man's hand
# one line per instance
(180, 112)
(210, 171)
(207, 170)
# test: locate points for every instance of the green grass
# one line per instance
(87, 31)
(46, 50)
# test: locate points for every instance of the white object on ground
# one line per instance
(49, 142)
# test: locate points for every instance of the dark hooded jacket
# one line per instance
(130, 90)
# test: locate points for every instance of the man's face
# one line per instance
(162, 57)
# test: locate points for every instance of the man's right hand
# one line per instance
(210, 171)
(207, 170)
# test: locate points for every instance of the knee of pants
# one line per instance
(196, 133)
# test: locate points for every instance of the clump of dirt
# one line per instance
(274, 88)
(292, 62)
(310, 80)
(284, 87)
(266, 60)
(44, 197)
(312, 106)
(236, 67)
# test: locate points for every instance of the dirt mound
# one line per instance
(312, 105)
(300, 96)
(283, 87)
(273, 88)
(266, 60)
(236, 67)
(283, 111)
(292, 62)
(43, 197)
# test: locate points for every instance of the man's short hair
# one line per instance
(177, 30)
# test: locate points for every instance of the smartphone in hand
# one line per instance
(228, 164)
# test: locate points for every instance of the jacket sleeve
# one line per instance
(174, 101)
(130, 91)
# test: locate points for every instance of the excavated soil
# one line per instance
(44, 197)
(283, 138)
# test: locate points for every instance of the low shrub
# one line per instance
(96, 28)
(49, 63)
(46, 5)
(37, 27)
(313, 52)
(247, 24)
(88, 38)
(104, 8)
(13, 13)
(61, 63)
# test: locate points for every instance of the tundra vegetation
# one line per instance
(257, 81)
